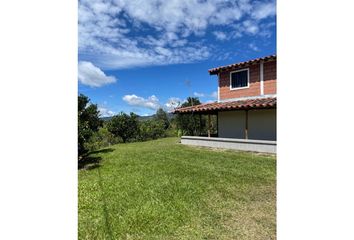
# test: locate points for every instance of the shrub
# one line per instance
(151, 129)
(102, 138)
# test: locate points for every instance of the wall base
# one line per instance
(232, 143)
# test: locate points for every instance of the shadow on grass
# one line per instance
(105, 150)
(104, 208)
(90, 161)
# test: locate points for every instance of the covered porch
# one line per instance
(248, 125)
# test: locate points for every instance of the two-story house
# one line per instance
(246, 107)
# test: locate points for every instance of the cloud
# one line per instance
(91, 75)
(213, 94)
(253, 47)
(131, 33)
(264, 10)
(250, 27)
(220, 35)
(104, 112)
(151, 102)
(199, 94)
(172, 103)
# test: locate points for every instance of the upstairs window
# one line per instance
(239, 79)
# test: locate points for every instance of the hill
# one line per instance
(142, 118)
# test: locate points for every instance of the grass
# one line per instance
(164, 190)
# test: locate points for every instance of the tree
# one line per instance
(88, 122)
(191, 101)
(151, 129)
(190, 123)
(124, 126)
(161, 115)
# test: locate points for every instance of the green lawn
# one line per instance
(164, 190)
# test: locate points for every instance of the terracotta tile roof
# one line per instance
(256, 103)
(231, 66)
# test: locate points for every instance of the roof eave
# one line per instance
(214, 111)
(217, 70)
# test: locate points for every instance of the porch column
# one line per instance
(209, 124)
(217, 124)
(200, 124)
(246, 125)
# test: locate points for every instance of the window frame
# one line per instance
(248, 79)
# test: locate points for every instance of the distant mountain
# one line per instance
(105, 118)
(142, 118)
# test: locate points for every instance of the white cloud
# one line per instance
(172, 103)
(250, 27)
(151, 102)
(264, 10)
(199, 94)
(253, 47)
(169, 32)
(213, 94)
(104, 112)
(220, 35)
(91, 75)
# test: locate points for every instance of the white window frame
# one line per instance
(248, 78)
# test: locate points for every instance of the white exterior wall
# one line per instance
(261, 124)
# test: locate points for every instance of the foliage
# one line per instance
(88, 122)
(164, 190)
(151, 129)
(190, 124)
(194, 124)
(124, 126)
(161, 115)
(102, 138)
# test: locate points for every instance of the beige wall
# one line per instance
(261, 124)
(231, 124)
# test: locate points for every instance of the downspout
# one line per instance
(261, 77)
(209, 122)
(218, 87)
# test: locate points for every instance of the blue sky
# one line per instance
(137, 56)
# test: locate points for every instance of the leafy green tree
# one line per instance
(161, 115)
(152, 129)
(88, 122)
(190, 124)
(124, 126)
(191, 101)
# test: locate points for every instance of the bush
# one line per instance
(179, 132)
(102, 138)
(151, 129)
